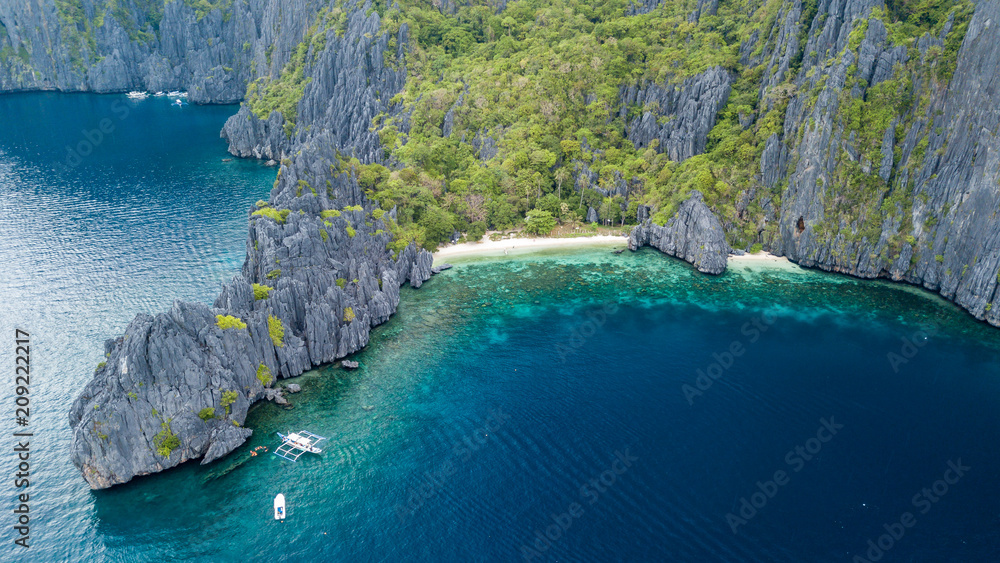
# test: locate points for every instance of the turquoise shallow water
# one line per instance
(485, 408)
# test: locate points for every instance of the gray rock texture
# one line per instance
(941, 185)
(177, 385)
(691, 108)
(167, 368)
(694, 234)
(212, 57)
(349, 81)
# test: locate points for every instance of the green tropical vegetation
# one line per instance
(207, 413)
(541, 80)
(203, 7)
(165, 440)
(264, 375)
(261, 291)
(276, 330)
(228, 398)
(229, 321)
(282, 94)
(276, 215)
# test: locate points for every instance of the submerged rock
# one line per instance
(294, 387)
(693, 234)
(275, 396)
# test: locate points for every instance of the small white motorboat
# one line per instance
(161, 93)
(279, 507)
(137, 95)
(174, 93)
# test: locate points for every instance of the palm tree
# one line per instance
(561, 176)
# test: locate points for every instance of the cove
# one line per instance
(584, 354)
(422, 468)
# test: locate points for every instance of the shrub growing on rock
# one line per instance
(228, 398)
(165, 440)
(278, 216)
(264, 375)
(229, 321)
(276, 330)
(261, 291)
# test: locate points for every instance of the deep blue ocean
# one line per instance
(554, 406)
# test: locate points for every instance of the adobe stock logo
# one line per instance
(591, 491)
(433, 481)
(923, 502)
(722, 361)
(92, 138)
(910, 347)
(796, 459)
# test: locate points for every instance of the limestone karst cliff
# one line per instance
(317, 277)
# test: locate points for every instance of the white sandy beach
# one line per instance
(759, 257)
(511, 246)
(488, 247)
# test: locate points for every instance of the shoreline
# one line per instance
(508, 246)
(503, 247)
(762, 256)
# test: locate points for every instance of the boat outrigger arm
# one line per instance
(295, 444)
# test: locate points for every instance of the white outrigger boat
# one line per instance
(279, 507)
(137, 95)
(295, 444)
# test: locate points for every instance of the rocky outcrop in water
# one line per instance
(318, 276)
(323, 281)
(694, 234)
(912, 198)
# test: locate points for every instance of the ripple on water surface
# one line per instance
(152, 214)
